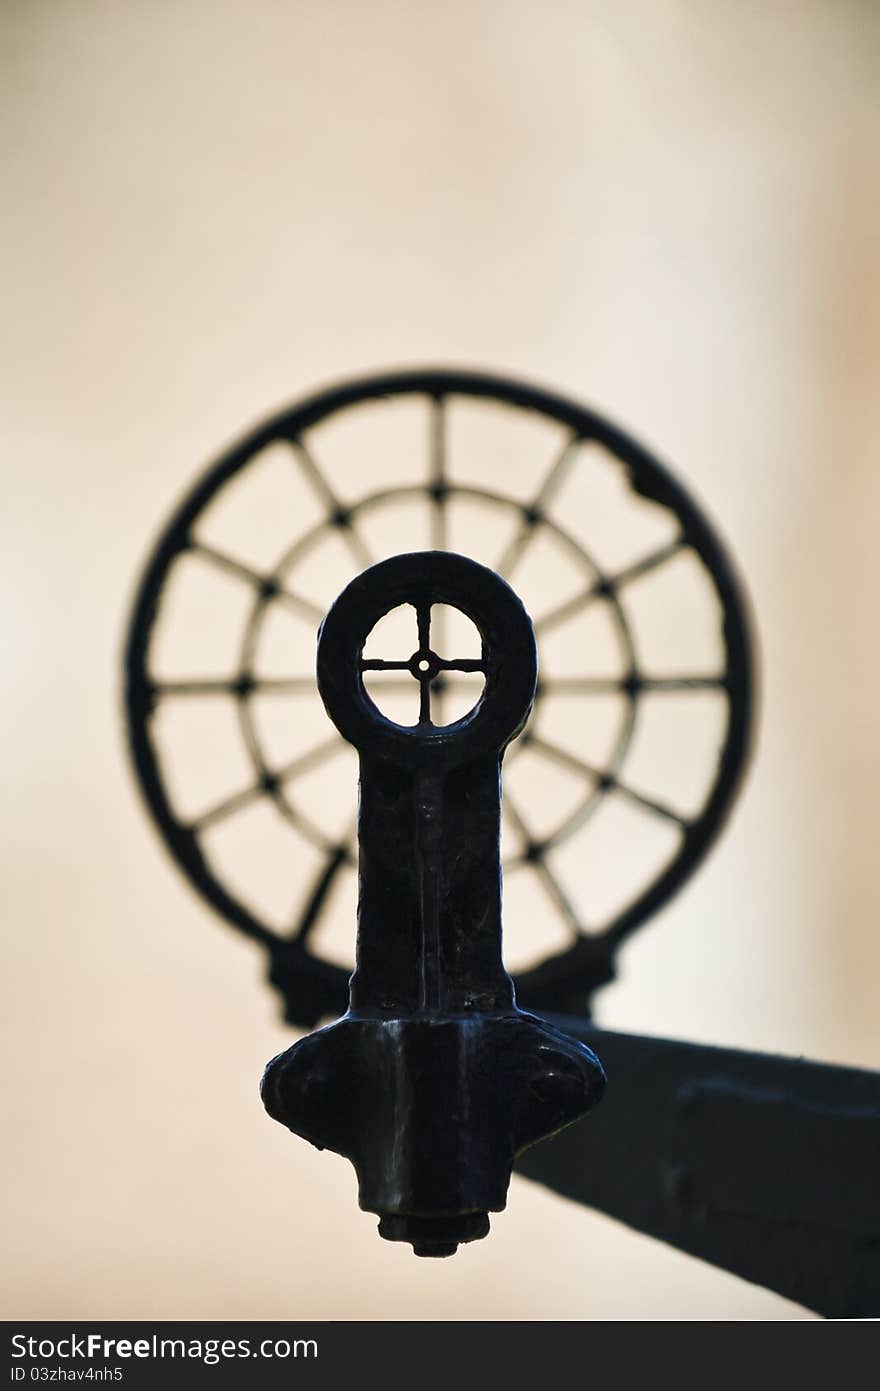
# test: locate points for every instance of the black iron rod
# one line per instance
(764, 1166)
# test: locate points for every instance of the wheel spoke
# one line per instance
(437, 481)
(228, 562)
(563, 612)
(237, 686)
(628, 685)
(379, 664)
(606, 780)
(319, 481)
(609, 584)
(267, 783)
(339, 514)
(283, 685)
(227, 807)
(310, 759)
(648, 563)
(650, 804)
(303, 606)
(584, 685)
(560, 898)
(557, 473)
(195, 687)
(555, 754)
(337, 858)
(356, 544)
(266, 583)
(684, 683)
(512, 553)
(534, 856)
(533, 514)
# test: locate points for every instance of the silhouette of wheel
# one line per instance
(622, 706)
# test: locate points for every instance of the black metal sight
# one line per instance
(434, 1080)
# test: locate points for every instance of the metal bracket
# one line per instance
(434, 1080)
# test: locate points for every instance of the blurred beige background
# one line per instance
(669, 210)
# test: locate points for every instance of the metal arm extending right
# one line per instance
(767, 1167)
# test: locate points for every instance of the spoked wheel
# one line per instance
(633, 754)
